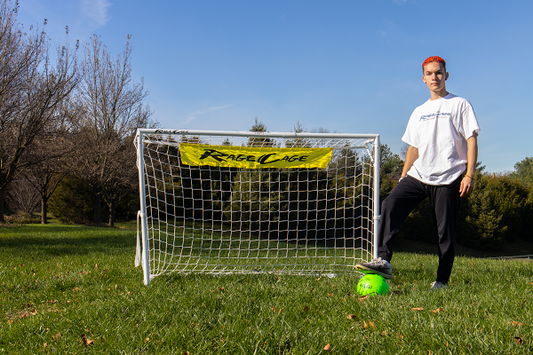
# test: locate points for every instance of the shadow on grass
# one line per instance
(65, 240)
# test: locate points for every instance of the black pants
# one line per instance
(403, 199)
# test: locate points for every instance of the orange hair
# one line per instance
(435, 58)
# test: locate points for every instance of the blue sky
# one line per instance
(345, 66)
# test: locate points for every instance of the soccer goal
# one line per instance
(224, 202)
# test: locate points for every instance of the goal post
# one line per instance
(223, 202)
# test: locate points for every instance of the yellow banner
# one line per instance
(254, 158)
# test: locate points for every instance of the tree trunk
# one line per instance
(44, 211)
(111, 206)
(2, 196)
(97, 209)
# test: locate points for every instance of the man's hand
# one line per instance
(467, 186)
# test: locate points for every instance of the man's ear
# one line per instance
(447, 76)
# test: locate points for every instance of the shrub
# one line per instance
(22, 218)
(71, 203)
(127, 208)
(496, 213)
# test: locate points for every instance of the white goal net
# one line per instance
(256, 202)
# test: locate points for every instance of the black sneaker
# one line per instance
(376, 266)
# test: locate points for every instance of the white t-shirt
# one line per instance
(439, 129)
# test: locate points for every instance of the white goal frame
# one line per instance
(190, 242)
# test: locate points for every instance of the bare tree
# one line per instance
(22, 197)
(116, 190)
(48, 169)
(30, 91)
(112, 108)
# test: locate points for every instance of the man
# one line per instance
(442, 138)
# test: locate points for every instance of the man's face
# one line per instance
(435, 76)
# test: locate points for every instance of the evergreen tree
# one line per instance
(524, 171)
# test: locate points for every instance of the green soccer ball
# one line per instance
(372, 284)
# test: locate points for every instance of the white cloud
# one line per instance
(97, 10)
(201, 111)
(194, 115)
(190, 119)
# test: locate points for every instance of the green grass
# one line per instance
(215, 250)
(74, 290)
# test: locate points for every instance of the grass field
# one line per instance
(74, 290)
(195, 248)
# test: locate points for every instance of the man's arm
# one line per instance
(410, 157)
(467, 184)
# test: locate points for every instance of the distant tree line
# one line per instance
(67, 122)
